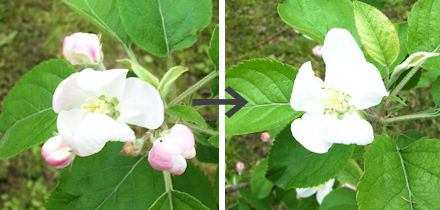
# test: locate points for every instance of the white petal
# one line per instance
(68, 94)
(110, 83)
(310, 131)
(305, 192)
(179, 165)
(352, 129)
(327, 188)
(95, 131)
(68, 121)
(141, 105)
(307, 92)
(341, 55)
(366, 87)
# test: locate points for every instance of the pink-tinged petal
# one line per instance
(69, 95)
(179, 165)
(311, 131)
(317, 51)
(110, 83)
(159, 158)
(56, 153)
(181, 136)
(265, 136)
(94, 131)
(82, 49)
(349, 186)
(141, 105)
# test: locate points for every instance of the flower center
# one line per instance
(102, 105)
(320, 187)
(337, 103)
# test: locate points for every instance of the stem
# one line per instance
(101, 67)
(420, 115)
(387, 75)
(197, 127)
(237, 187)
(194, 88)
(406, 176)
(405, 80)
(130, 54)
(168, 187)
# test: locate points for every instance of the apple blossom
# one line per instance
(239, 166)
(95, 107)
(56, 153)
(265, 136)
(351, 84)
(82, 49)
(317, 51)
(321, 191)
(170, 151)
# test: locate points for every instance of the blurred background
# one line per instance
(255, 30)
(32, 31)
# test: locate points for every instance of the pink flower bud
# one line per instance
(350, 187)
(296, 31)
(169, 152)
(56, 153)
(317, 51)
(265, 136)
(82, 49)
(239, 166)
(130, 149)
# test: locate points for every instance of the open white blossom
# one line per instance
(321, 191)
(95, 107)
(351, 84)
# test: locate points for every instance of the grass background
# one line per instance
(255, 30)
(39, 27)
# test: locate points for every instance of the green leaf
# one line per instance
(342, 198)
(213, 51)
(163, 26)
(207, 154)
(141, 72)
(107, 180)
(405, 139)
(267, 86)
(391, 173)
(436, 92)
(196, 183)
(350, 174)
(169, 78)
(309, 203)
(104, 14)
(291, 165)
(424, 30)
(288, 197)
(402, 31)
(260, 204)
(187, 113)
(260, 186)
(377, 33)
(379, 4)
(181, 201)
(27, 118)
(316, 18)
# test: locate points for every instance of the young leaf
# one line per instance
(400, 178)
(168, 79)
(291, 165)
(163, 26)
(213, 48)
(267, 86)
(142, 73)
(181, 201)
(107, 180)
(104, 14)
(260, 186)
(350, 174)
(415, 59)
(27, 118)
(342, 198)
(186, 113)
(424, 30)
(377, 33)
(316, 18)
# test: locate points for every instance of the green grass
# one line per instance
(40, 26)
(254, 30)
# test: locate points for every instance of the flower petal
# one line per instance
(350, 130)
(341, 55)
(179, 165)
(68, 94)
(56, 153)
(68, 121)
(159, 157)
(182, 137)
(307, 92)
(305, 192)
(310, 131)
(141, 105)
(110, 83)
(94, 131)
(327, 188)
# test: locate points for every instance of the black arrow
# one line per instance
(238, 101)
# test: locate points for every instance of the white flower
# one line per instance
(321, 191)
(95, 107)
(82, 49)
(351, 84)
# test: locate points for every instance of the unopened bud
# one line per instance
(130, 149)
(317, 51)
(82, 49)
(239, 166)
(56, 153)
